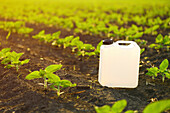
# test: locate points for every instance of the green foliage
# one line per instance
(118, 107)
(154, 71)
(11, 59)
(161, 42)
(97, 50)
(3, 53)
(58, 85)
(77, 46)
(49, 77)
(152, 30)
(47, 37)
(18, 27)
(142, 50)
(141, 42)
(45, 74)
(157, 107)
(9, 33)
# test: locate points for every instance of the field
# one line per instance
(68, 34)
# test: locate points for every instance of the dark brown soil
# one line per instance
(22, 96)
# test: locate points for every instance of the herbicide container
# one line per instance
(119, 64)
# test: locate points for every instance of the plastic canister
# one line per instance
(119, 64)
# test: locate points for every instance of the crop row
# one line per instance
(11, 59)
(105, 22)
(15, 27)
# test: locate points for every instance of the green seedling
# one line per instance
(18, 26)
(49, 77)
(117, 32)
(156, 21)
(69, 41)
(142, 50)
(157, 107)
(97, 50)
(154, 71)
(47, 37)
(58, 85)
(141, 42)
(12, 60)
(81, 47)
(66, 42)
(152, 30)
(45, 74)
(24, 30)
(161, 42)
(3, 53)
(134, 36)
(117, 107)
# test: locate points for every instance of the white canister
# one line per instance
(119, 64)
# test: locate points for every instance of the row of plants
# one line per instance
(15, 27)
(132, 33)
(161, 42)
(98, 21)
(81, 49)
(12, 59)
(118, 107)
(74, 43)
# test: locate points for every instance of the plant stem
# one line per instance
(9, 33)
(163, 78)
(45, 83)
(58, 89)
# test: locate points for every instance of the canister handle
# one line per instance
(131, 44)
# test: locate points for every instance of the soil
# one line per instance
(18, 95)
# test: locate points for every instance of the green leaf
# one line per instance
(5, 61)
(52, 68)
(25, 61)
(130, 111)
(97, 51)
(159, 39)
(167, 74)
(137, 35)
(9, 66)
(42, 72)
(68, 38)
(152, 45)
(142, 50)
(158, 46)
(90, 53)
(56, 35)
(88, 47)
(164, 65)
(52, 78)
(79, 44)
(157, 107)
(103, 109)
(166, 40)
(3, 53)
(66, 83)
(152, 71)
(75, 41)
(119, 106)
(33, 75)
(155, 27)
(5, 50)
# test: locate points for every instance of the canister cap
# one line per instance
(107, 41)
